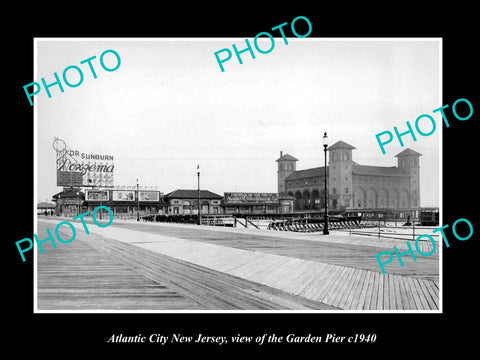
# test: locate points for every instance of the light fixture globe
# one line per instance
(325, 139)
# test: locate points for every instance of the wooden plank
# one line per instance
(412, 304)
(391, 293)
(376, 286)
(329, 292)
(356, 288)
(337, 293)
(249, 269)
(318, 284)
(433, 295)
(426, 294)
(415, 294)
(405, 298)
(421, 294)
(271, 269)
(302, 273)
(379, 305)
(353, 288)
(361, 299)
(368, 295)
(296, 271)
(386, 292)
(309, 275)
(345, 289)
(398, 296)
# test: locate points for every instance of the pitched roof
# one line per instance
(70, 192)
(407, 152)
(286, 157)
(308, 173)
(192, 194)
(341, 145)
(378, 170)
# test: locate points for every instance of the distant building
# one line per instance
(185, 202)
(256, 203)
(350, 185)
(45, 208)
(69, 202)
(123, 203)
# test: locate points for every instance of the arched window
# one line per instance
(298, 201)
(282, 167)
(187, 207)
(205, 208)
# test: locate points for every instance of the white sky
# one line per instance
(168, 107)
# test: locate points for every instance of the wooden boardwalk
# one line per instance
(300, 274)
(79, 276)
(187, 231)
(358, 252)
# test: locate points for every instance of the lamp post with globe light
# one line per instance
(138, 203)
(325, 145)
(199, 220)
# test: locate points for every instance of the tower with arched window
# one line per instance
(409, 161)
(340, 175)
(351, 186)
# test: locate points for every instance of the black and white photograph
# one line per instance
(260, 188)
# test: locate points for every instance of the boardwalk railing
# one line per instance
(213, 220)
(410, 232)
(312, 225)
(256, 222)
(379, 229)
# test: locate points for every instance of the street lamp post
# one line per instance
(138, 203)
(101, 203)
(198, 190)
(325, 145)
(78, 203)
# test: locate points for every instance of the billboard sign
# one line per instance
(96, 195)
(149, 196)
(69, 178)
(250, 198)
(75, 168)
(123, 195)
